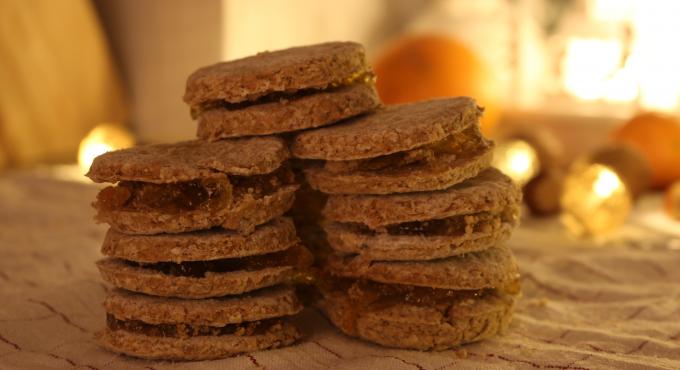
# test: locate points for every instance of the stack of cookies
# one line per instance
(416, 220)
(198, 249)
(203, 257)
(281, 92)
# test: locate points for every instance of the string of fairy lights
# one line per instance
(593, 195)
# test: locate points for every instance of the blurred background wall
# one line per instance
(157, 44)
(57, 80)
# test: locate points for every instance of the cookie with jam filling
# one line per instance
(423, 146)
(424, 305)
(281, 91)
(179, 329)
(217, 243)
(420, 318)
(221, 275)
(194, 185)
(470, 216)
(489, 268)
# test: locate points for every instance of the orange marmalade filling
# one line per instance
(296, 256)
(365, 293)
(209, 194)
(259, 186)
(188, 330)
(367, 78)
(451, 226)
(463, 144)
(206, 194)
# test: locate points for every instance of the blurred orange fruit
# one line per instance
(657, 136)
(428, 66)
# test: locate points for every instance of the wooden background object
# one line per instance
(57, 79)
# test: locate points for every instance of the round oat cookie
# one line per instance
(274, 236)
(490, 190)
(205, 347)
(388, 247)
(258, 305)
(423, 327)
(490, 268)
(441, 174)
(289, 114)
(138, 278)
(205, 280)
(395, 128)
(304, 67)
(243, 216)
(190, 160)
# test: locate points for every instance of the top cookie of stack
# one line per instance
(281, 91)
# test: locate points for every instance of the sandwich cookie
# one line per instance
(178, 329)
(204, 264)
(403, 316)
(492, 267)
(281, 91)
(194, 185)
(414, 147)
(470, 216)
(424, 305)
(274, 236)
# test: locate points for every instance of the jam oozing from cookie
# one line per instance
(452, 226)
(296, 256)
(188, 330)
(367, 78)
(209, 195)
(259, 186)
(465, 144)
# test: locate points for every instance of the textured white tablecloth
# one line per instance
(616, 306)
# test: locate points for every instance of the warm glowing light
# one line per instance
(606, 183)
(517, 159)
(589, 65)
(654, 23)
(612, 10)
(595, 200)
(102, 139)
(647, 72)
(622, 86)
